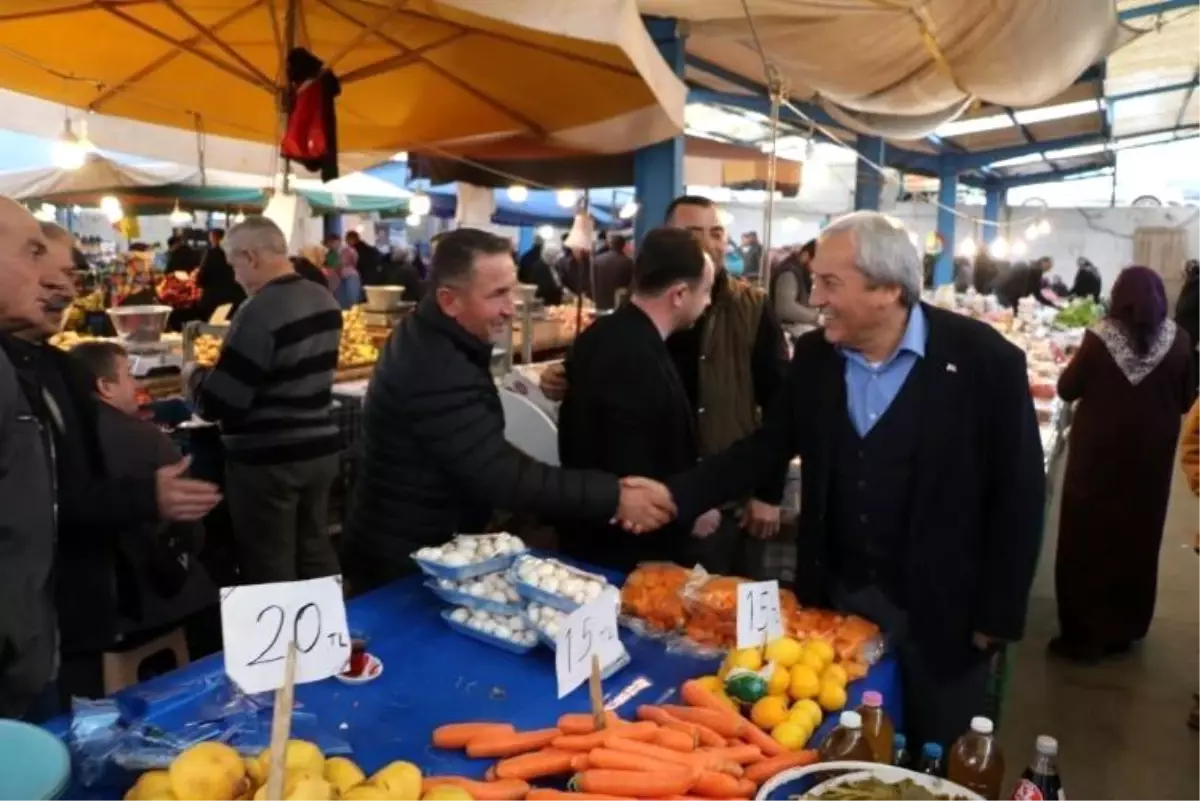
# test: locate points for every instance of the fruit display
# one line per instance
(711, 602)
(355, 348)
(177, 290)
(65, 340)
(1079, 313)
(652, 594)
(206, 348)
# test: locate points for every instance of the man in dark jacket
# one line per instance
(923, 481)
(627, 412)
(436, 462)
(1088, 283)
(370, 260)
(612, 270)
(1024, 280)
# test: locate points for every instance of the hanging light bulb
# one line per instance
(1044, 227)
(179, 216)
(85, 144)
(546, 232)
(567, 197)
(1032, 232)
(67, 153)
(967, 248)
(45, 213)
(111, 207)
(1019, 248)
(629, 210)
(998, 249)
(420, 204)
(810, 150)
(518, 193)
(239, 218)
(412, 220)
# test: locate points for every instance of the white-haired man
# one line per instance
(923, 480)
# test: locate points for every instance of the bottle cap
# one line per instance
(872, 698)
(899, 741)
(1047, 745)
(931, 751)
(850, 720)
(982, 725)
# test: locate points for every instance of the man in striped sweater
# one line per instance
(271, 393)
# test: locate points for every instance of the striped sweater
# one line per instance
(271, 388)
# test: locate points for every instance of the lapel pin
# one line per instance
(951, 367)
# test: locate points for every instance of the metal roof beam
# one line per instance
(1154, 90)
(1154, 9)
(982, 158)
(1051, 177)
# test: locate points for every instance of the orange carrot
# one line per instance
(623, 760)
(490, 774)
(759, 772)
(642, 730)
(657, 752)
(721, 721)
(503, 790)
(704, 735)
(505, 745)
(535, 764)
(584, 723)
(697, 695)
(741, 754)
(746, 788)
(580, 761)
(546, 794)
(676, 740)
(715, 785)
(633, 783)
(457, 735)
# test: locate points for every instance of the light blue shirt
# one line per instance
(871, 388)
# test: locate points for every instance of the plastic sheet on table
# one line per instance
(145, 730)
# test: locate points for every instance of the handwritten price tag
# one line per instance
(590, 629)
(758, 618)
(258, 621)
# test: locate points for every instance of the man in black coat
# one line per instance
(923, 482)
(435, 459)
(627, 412)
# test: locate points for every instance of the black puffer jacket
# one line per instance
(435, 460)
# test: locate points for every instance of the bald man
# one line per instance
(27, 630)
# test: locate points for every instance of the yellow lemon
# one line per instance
(748, 658)
(805, 683)
(154, 784)
(834, 674)
(807, 710)
(399, 780)
(298, 755)
(832, 697)
(342, 773)
(791, 734)
(364, 792)
(784, 652)
(769, 712)
(447, 792)
(780, 680)
(812, 660)
(821, 648)
(714, 684)
(208, 770)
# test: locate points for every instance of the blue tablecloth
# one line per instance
(433, 675)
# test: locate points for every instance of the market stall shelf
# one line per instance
(436, 676)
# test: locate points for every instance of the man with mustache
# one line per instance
(92, 507)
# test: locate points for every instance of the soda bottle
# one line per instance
(847, 742)
(1040, 781)
(900, 755)
(976, 761)
(877, 726)
(931, 760)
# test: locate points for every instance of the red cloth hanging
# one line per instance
(305, 139)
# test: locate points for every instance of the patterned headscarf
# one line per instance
(1136, 331)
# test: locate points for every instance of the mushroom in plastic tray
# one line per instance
(469, 555)
(491, 593)
(550, 582)
(510, 632)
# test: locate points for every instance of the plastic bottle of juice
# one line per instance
(877, 726)
(976, 761)
(900, 756)
(931, 760)
(1041, 781)
(847, 742)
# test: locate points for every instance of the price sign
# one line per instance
(758, 618)
(589, 630)
(259, 620)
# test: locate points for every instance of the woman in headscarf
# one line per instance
(1131, 378)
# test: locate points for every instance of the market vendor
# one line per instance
(923, 489)
(435, 459)
(731, 362)
(627, 412)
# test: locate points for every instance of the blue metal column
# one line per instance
(524, 239)
(995, 197)
(868, 181)
(658, 169)
(943, 270)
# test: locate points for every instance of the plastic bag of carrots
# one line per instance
(711, 603)
(651, 599)
(857, 641)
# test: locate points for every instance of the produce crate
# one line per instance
(195, 329)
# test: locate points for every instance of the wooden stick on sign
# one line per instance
(281, 726)
(594, 689)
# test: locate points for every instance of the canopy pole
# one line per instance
(289, 41)
(776, 89)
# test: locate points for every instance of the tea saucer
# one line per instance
(371, 671)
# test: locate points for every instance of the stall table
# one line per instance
(433, 675)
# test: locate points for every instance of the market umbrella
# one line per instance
(585, 77)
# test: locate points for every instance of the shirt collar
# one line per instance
(916, 334)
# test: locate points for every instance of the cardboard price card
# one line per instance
(259, 620)
(759, 620)
(589, 630)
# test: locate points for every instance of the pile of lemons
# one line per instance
(803, 683)
(213, 770)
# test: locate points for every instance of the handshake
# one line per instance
(645, 505)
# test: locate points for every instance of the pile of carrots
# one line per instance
(700, 750)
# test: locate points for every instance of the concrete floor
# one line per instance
(1121, 724)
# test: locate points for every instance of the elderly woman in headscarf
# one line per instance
(1131, 378)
